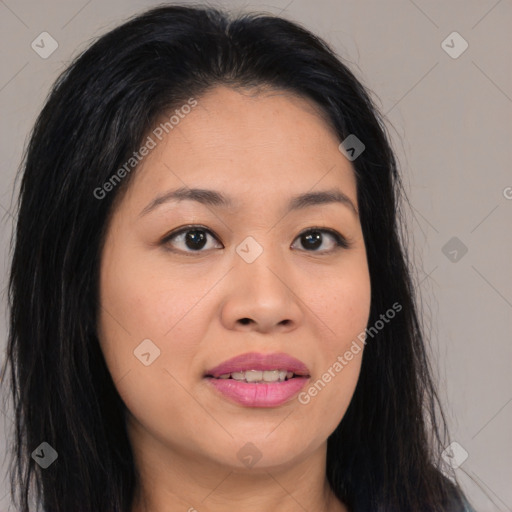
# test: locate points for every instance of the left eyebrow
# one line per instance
(219, 200)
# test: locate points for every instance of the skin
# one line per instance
(260, 147)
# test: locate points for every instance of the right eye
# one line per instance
(193, 237)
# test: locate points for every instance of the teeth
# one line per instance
(257, 376)
(271, 375)
(253, 376)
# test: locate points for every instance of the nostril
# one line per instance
(245, 321)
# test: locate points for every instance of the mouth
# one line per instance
(259, 380)
(259, 376)
(249, 365)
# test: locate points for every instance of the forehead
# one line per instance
(248, 143)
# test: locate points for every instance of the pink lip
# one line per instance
(256, 361)
(271, 394)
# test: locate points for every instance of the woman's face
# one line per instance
(248, 277)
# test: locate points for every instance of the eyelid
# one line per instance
(182, 229)
(341, 241)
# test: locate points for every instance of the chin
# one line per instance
(263, 452)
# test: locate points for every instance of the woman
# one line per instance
(210, 302)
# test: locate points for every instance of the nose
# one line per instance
(263, 296)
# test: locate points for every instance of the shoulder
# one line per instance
(468, 507)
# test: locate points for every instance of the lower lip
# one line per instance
(271, 394)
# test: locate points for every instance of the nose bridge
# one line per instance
(260, 261)
(264, 293)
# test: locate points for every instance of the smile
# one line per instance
(259, 380)
(259, 376)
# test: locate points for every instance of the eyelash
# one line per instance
(340, 241)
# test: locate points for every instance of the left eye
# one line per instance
(195, 239)
(313, 238)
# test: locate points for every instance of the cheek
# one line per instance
(344, 307)
(140, 301)
(349, 318)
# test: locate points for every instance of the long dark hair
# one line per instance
(385, 454)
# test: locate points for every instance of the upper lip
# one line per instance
(257, 361)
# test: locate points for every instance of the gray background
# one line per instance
(450, 122)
